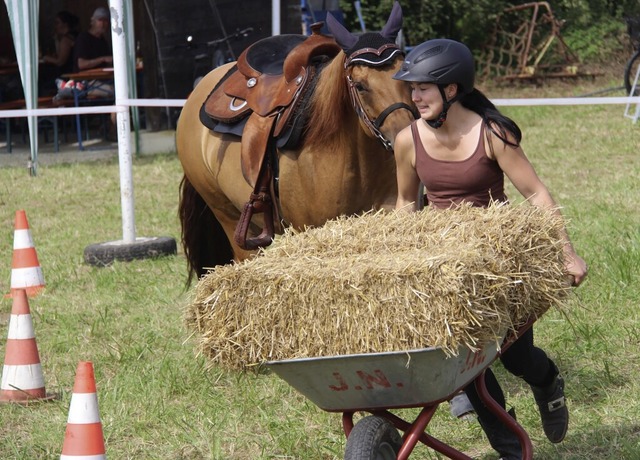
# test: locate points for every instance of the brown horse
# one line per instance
(343, 166)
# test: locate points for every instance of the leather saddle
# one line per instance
(266, 86)
(264, 91)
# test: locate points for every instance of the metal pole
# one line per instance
(124, 133)
(275, 17)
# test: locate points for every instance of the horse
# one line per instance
(343, 165)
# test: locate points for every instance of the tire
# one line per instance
(630, 74)
(103, 254)
(373, 438)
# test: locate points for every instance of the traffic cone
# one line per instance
(83, 438)
(26, 272)
(22, 379)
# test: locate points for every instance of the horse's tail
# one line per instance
(204, 241)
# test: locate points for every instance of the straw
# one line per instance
(383, 281)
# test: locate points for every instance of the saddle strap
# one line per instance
(260, 201)
(254, 147)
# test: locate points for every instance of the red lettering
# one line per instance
(473, 360)
(343, 384)
(377, 379)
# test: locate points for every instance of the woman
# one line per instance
(461, 148)
(65, 32)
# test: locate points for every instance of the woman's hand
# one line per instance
(576, 267)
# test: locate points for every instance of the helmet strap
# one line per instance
(446, 104)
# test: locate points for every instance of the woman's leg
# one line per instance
(523, 359)
(503, 440)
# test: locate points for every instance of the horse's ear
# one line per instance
(394, 23)
(342, 36)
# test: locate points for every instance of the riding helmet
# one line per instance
(441, 61)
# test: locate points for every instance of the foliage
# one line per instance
(594, 43)
(465, 20)
(470, 20)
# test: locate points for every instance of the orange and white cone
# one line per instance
(83, 438)
(26, 272)
(22, 379)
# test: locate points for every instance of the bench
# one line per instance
(44, 102)
(83, 101)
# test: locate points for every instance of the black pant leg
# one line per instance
(523, 359)
(494, 389)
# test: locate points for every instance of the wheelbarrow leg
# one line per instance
(503, 415)
(416, 432)
(347, 423)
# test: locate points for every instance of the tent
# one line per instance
(23, 15)
(24, 18)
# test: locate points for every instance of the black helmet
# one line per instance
(440, 61)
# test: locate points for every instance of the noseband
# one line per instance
(373, 125)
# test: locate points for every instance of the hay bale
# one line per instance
(383, 282)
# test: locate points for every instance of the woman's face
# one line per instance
(427, 99)
(61, 28)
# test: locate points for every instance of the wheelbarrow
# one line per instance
(377, 383)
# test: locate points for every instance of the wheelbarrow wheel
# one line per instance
(373, 438)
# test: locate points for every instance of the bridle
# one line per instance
(373, 125)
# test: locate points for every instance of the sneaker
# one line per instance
(553, 409)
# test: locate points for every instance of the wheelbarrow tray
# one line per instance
(373, 381)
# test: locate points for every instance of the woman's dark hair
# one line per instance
(70, 20)
(498, 124)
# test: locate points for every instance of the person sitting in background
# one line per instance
(92, 49)
(55, 65)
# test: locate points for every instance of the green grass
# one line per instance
(158, 400)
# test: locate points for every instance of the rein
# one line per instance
(373, 125)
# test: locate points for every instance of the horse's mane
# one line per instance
(329, 105)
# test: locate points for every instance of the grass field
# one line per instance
(158, 400)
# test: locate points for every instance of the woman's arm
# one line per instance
(65, 48)
(63, 52)
(520, 171)
(408, 180)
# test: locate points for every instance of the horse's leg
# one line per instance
(203, 238)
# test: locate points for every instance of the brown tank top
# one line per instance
(477, 179)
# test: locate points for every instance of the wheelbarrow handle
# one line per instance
(503, 415)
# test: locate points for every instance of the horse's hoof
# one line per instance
(103, 254)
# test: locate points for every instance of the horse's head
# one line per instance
(383, 104)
